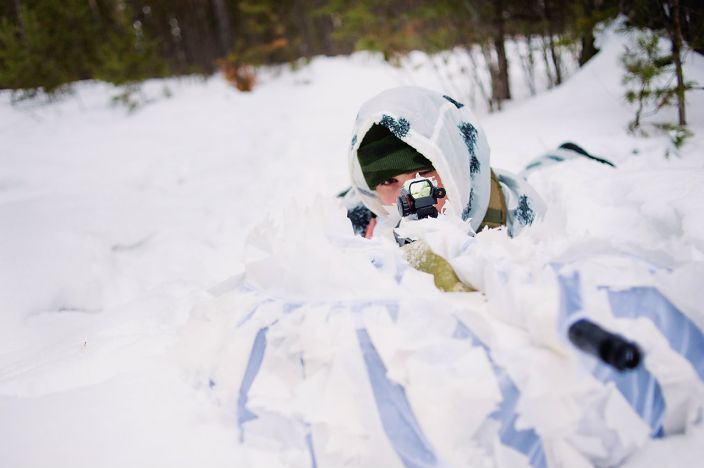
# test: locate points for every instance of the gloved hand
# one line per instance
(419, 255)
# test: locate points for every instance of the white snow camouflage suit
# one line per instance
(448, 134)
(331, 351)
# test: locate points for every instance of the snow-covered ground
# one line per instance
(113, 226)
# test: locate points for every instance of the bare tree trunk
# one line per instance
(303, 37)
(323, 27)
(20, 21)
(179, 47)
(636, 121)
(502, 86)
(528, 65)
(676, 36)
(222, 19)
(588, 49)
(493, 102)
(18, 10)
(197, 36)
(94, 9)
(546, 59)
(551, 40)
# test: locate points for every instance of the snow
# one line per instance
(116, 227)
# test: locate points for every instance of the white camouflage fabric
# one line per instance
(448, 134)
(329, 350)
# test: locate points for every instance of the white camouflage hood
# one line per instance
(444, 131)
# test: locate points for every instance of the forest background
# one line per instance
(45, 45)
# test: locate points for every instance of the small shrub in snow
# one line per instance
(649, 85)
(241, 76)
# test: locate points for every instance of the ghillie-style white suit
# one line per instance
(448, 134)
(330, 350)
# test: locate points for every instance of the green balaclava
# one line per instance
(383, 156)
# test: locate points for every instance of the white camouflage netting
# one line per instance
(369, 364)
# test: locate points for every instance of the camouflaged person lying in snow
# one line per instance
(328, 350)
(408, 133)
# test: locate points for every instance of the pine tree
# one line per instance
(648, 74)
(49, 45)
(126, 55)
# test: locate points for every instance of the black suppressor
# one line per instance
(612, 349)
